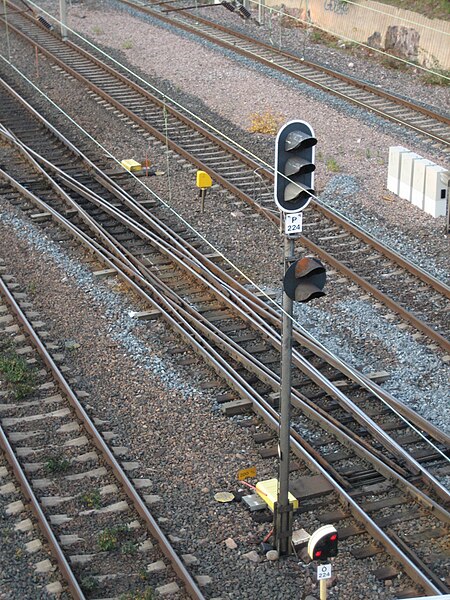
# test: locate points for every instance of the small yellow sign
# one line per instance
(203, 180)
(245, 473)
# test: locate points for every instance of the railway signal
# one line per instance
(322, 545)
(294, 166)
(305, 280)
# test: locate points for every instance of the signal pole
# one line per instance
(63, 18)
(284, 510)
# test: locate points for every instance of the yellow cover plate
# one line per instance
(268, 490)
(131, 165)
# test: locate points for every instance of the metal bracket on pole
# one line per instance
(283, 519)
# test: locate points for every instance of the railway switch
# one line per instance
(294, 166)
(305, 280)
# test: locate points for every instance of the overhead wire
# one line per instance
(342, 36)
(199, 119)
(221, 134)
(212, 246)
(151, 191)
(391, 15)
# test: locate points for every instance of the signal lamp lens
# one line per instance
(333, 537)
(318, 553)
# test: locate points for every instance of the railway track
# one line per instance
(404, 288)
(429, 124)
(96, 519)
(379, 465)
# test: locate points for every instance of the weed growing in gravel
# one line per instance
(17, 374)
(266, 122)
(439, 76)
(32, 287)
(108, 540)
(110, 537)
(333, 166)
(390, 60)
(57, 464)
(127, 45)
(145, 595)
(92, 499)
(88, 584)
(317, 36)
(128, 548)
(97, 30)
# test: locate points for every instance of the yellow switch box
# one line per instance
(131, 165)
(203, 180)
(268, 490)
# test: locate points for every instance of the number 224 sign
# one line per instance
(293, 224)
(323, 572)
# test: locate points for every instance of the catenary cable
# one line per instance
(204, 239)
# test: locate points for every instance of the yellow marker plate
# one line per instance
(224, 497)
(203, 180)
(245, 473)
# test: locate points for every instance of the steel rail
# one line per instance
(300, 62)
(42, 521)
(252, 302)
(311, 372)
(243, 311)
(97, 231)
(200, 341)
(152, 525)
(390, 254)
(270, 314)
(248, 161)
(103, 182)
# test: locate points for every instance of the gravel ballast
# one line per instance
(171, 426)
(135, 385)
(358, 191)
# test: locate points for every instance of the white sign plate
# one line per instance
(293, 224)
(323, 572)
